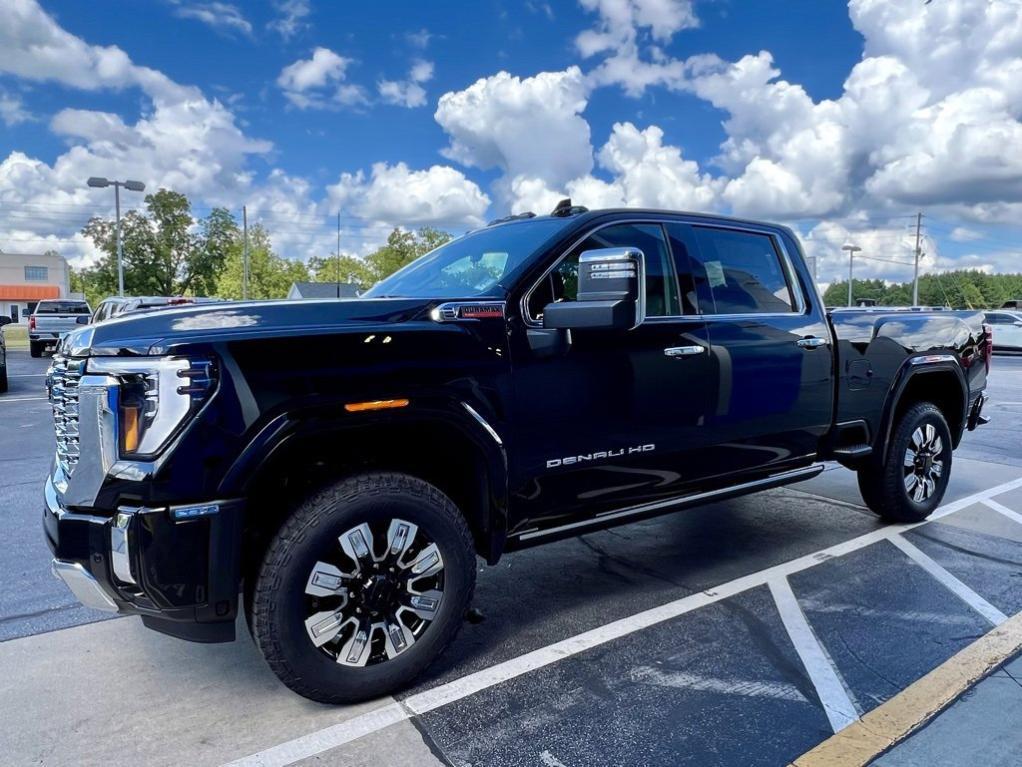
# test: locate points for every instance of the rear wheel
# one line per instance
(363, 588)
(35, 349)
(3, 378)
(912, 480)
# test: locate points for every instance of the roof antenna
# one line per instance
(564, 208)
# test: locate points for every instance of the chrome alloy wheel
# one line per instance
(369, 601)
(924, 466)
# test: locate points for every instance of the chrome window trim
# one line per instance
(787, 266)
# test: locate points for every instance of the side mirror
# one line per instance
(83, 319)
(1016, 323)
(611, 292)
(5, 320)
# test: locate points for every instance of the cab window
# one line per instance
(662, 295)
(739, 273)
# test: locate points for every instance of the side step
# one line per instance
(854, 451)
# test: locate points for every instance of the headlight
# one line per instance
(157, 395)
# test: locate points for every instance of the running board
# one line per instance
(853, 451)
(606, 518)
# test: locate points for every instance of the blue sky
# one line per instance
(839, 119)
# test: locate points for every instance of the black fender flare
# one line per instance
(475, 421)
(910, 370)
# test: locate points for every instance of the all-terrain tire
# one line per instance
(35, 349)
(278, 609)
(884, 485)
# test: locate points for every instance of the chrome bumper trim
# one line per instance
(120, 543)
(85, 588)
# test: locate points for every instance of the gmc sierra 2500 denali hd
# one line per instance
(340, 464)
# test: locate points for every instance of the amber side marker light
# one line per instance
(379, 404)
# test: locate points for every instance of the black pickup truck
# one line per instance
(337, 466)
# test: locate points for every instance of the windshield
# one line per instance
(476, 264)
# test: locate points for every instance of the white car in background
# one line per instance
(1007, 326)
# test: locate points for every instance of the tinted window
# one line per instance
(1000, 319)
(661, 287)
(62, 307)
(738, 273)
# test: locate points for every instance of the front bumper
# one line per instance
(176, 566)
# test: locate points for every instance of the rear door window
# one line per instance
(737, 272)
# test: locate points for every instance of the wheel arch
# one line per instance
(453, 448)
(940, 381)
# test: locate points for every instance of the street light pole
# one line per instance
(852, 250)
(134, 186)
(120, 247)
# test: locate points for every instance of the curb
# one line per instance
(891, 722)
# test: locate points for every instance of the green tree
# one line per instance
(962, 288)
(401, 249)
(269, 275)
(163, 253)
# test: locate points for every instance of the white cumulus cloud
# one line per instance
(397, 195)
(529, 127)
(318, 82)
(409, 92)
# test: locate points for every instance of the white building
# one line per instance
(26, 279)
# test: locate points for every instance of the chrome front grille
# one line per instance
(63, 385)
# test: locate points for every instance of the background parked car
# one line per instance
(52, 320)
(118, 305)
(1007, 328)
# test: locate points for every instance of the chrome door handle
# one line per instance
(811, 342)
(683, 351)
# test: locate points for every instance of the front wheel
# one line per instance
(363, 587)
(911, 482)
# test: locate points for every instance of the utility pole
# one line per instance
(915, 279)
(244, 253)
(338, 253)
(852, 250)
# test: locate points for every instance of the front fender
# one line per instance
(476, 422)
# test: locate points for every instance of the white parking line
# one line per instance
(27, 375)
(21, 399)
(950, 582)
(1000, 509)
(314, 743)
(837, 704)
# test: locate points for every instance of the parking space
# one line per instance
(742, 632)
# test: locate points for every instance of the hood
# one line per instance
(161, 331)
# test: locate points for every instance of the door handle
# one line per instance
(683, 351)
(811, 342)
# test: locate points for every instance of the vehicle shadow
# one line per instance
(539, 596)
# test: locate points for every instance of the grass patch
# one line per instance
(16, 336)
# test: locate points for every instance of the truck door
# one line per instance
(769, 343)
(605, 420)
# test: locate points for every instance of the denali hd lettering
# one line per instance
(571, 460)
(332, 469)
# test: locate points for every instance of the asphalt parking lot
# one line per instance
(743, 632)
